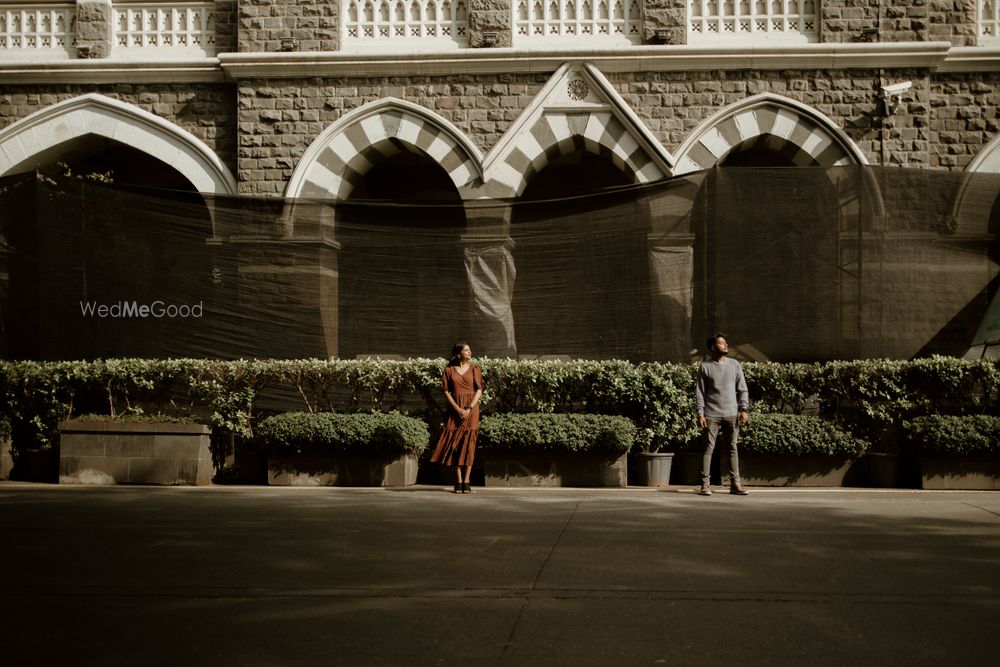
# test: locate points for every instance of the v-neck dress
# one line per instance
(457, 444)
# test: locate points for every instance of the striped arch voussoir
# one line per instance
(785, 130)
(554, 135)
(349, 154)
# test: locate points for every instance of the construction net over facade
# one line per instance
(794, 264)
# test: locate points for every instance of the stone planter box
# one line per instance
(972, 473)
(520, 469)
(6, 458)
(319, 470)
(134, 453)
(761, 470)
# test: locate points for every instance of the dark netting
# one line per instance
(793, 263)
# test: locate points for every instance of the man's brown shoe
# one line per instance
(706, 490)
(739, 491)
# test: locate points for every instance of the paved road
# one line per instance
(279, 576)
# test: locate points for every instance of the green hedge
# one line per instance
(796, 435)
(601, 434)
(954, 434)
(378, 434)
(870, 398)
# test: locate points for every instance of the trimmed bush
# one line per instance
(542, 432)
(377, 434)
(952, 434)
(796, 435)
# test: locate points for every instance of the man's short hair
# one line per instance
(710, 343)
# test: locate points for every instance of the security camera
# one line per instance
(896, 89)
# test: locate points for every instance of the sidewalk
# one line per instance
(420, 576)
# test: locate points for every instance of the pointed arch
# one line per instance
(103, 116)
(345, 151)
(578, 108)
(804, 134)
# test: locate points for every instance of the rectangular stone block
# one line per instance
(130, 444)
(521, 469)
(153, 471)
(83, 444)
(169, 445)
(92, 470)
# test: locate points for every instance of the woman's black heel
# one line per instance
(466, 487)
(458, 488)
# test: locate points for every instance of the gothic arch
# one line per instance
(578, 108)
(807, 136)
(96, 114)
(346, 150)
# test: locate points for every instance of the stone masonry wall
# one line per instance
(875, 21)
(314, 24)
(278, 119)
(942, 122)
(964, 117)
(206, 111)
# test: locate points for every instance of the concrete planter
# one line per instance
(339, 470)
(522, 469)
(765, 470)
(134, 453)
(6, 458)
(971, 473)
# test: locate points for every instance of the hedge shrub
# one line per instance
(871, 398)
(557, 432)
(378, 434)
(953, 434)
(796, 435)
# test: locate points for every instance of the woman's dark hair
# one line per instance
(456, 354)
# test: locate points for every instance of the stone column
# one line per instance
(6, 253)
(671, 269)
(287, 283)
(94, 23)
(489, 265)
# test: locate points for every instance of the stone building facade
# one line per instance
(299, 98)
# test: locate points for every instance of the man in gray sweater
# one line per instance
(723, 404)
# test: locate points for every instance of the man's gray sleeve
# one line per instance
(742, 392)
(699, 392)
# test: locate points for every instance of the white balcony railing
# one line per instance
(405, 24)
(183, 30)
(989, 23)
(583, 23)
(38, 30)
(719, 21)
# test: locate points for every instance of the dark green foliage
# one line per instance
(137, 419)
(599, 434)
(870, 398)
(796, 435)
(954, 434)
(376, 434)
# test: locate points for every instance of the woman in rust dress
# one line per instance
(462, 383)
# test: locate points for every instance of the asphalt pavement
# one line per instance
(228, 575)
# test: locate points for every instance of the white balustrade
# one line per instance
(405, 24)
(718, 21)
(38, 30)
(164, 30)
(989, 23)
(577, 23)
